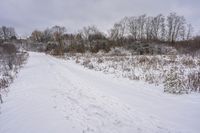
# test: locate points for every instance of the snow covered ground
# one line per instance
(56, 96)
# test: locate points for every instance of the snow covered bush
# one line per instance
(87, 63)
(173, 83)
(193, 81)
(10, 63)
(3, 83)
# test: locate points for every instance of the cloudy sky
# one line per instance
(27, 15)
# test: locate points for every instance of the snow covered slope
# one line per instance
(56, 96)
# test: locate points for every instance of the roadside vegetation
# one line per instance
(12, 59)
(177, 74)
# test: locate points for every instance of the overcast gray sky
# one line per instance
(27, 15)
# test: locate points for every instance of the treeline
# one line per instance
(159, 28)
(172, 30)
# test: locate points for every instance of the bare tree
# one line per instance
(119, 30)
(47, 35)
(182, 33)
(123, 27)
(37, 35)
(158, 27)
(175, 25)
(149, 28)
(1, 100)
(89, 30)
(141, 23)
(114, 33)
(189, 31)
(88, 34)
(58, 32)
(7, 33)
(1, 34)
(133, 27)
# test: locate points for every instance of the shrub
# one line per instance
(8, 48)
(173, 83)
(188, 62)
(193, 81)
(99, 60)
(10, 63)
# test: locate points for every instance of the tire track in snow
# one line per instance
(97, 109)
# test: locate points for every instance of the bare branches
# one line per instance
(176, 27)
(149, 28)
(189, 31)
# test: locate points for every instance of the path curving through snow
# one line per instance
(52, 95)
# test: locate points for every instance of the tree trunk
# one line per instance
(1, 100)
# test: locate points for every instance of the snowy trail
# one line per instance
(57, 96)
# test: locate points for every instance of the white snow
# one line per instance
(56, 96)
